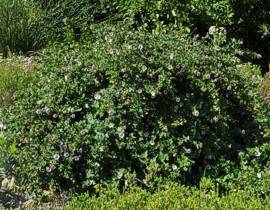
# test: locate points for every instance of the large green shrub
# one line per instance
(21, 28)
(125, 105)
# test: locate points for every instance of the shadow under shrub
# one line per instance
(125, 106)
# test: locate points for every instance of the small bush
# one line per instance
(20, 27)
(174, 197)
(126, 106)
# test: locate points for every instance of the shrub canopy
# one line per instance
(127, 103)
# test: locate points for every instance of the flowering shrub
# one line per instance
(122, 105)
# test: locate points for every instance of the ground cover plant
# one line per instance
(125, 106)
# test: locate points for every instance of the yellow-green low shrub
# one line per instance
(173, 197)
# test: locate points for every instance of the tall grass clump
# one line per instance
(20, 27)
(15, 74)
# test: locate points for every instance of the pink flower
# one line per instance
(258, 154)
(254, 77)
(215, 119)
(56, 157)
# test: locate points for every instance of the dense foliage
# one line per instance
(125, 106)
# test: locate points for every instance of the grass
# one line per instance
(21, 27)
(15, 74)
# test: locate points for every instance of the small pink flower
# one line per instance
(144, 68)
(153, 94)
(56, 157)
(174, 167)
(170, 67)
(254, 77)
(220, 65)
(258, 154)
(48, 169)
(208, 76)
(215, 119)
(76, 157)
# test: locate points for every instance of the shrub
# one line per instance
(20, 27)
(125, 105)
(173, 197)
